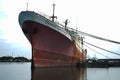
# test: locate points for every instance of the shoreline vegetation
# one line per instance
(88, 63)
(14, 59)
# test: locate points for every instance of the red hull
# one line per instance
(50, 48)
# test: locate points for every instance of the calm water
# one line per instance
(22, 71)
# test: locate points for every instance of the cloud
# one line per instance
(96, 17)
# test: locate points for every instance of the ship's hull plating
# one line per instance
(49, 46)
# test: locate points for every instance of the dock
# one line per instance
(103, 63)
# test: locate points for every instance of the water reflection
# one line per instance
(59, 73)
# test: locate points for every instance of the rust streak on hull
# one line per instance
(50, 47)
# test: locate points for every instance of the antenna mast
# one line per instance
(27, 6)
(53, 13)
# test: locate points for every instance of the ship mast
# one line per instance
(27, 7)
(53, 16)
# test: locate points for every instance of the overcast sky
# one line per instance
(98, 17)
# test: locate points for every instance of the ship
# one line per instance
(53, 44)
